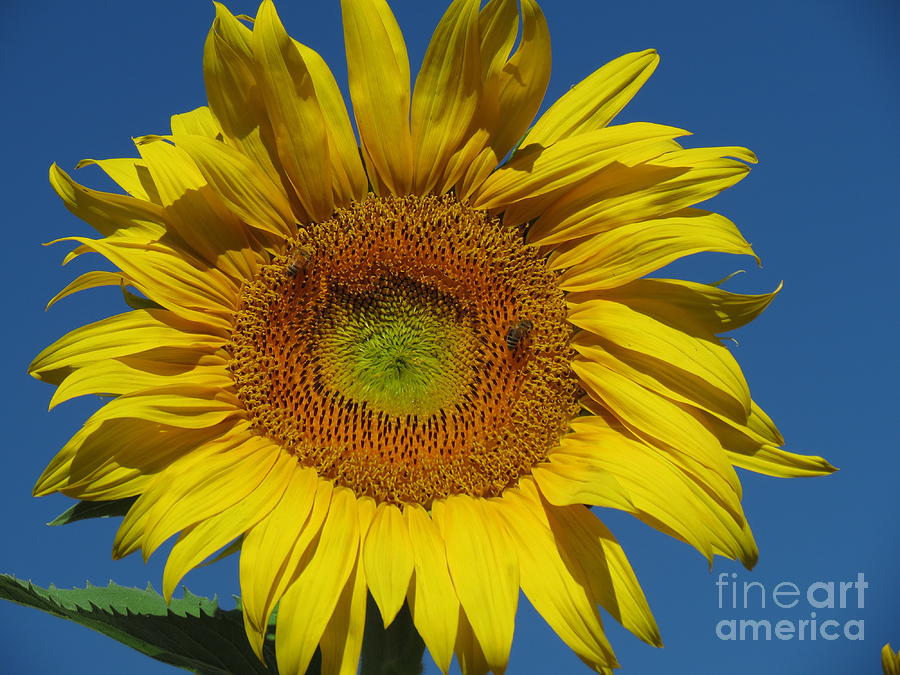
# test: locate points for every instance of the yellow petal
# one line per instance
(512, 89)
(567, 480)
(377, 185)
(131, 532)
(702, 309)
(388, 559)
(166, 276)
(536, 170)
(664, 496)
(195, 212)
(187, 407)
(378, 72)
(298, 125)
(197, 122)
(757, 427)
(529, 209)
(241, 184)
(652, 416)
(774, 461)
(234, 94)
(557, 590)
(117, 376)
(762, 425)
(663, 348)
(433, 601)
(116, 336)
(446, 94)
(890, 661)
(562, 482)
(698, 311)
(594, 101)
(468, 650)
(748, 450)
(525, 76)
(678, 386)
(349, 178)
(201, 485)
(275, 548)
(587, 542)
(629, 252)
(310, 601)
(209, 535)
(497, 28)
(484, 570)
(118, 458)
(109, 214)
(131, 174)
(620, 195)
(366, 507)
(342, 640)
(85, 281)
(109, 482)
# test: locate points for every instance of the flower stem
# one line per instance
(395, 650)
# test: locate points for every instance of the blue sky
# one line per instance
(810, 86)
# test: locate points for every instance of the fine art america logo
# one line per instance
(821, 610)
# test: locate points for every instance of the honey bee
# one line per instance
(517, 332)
(298, 260)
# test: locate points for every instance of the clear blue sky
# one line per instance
(811, 86)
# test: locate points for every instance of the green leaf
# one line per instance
(395, 650)
(191, 633)
(84, 510)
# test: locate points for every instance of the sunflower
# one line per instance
(890, 660)
(407, 365)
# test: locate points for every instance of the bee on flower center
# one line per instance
(517, 333)
(298, 260)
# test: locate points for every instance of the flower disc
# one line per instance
(410, 348)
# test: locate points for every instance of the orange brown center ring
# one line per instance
(410, 348)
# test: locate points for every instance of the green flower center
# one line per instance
(398, 347)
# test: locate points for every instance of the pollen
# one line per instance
(409, 348)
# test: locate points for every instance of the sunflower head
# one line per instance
(406, 365)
